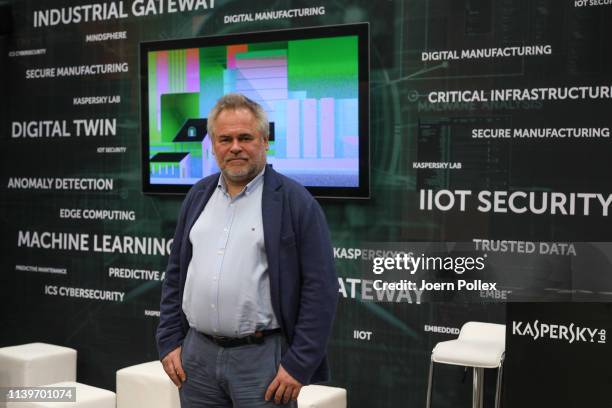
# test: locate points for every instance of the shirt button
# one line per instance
(220, 252)
(213, 306)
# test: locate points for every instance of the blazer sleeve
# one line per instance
(170, 332)
(318, 296)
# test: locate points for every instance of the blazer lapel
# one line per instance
(272, 213)
(199, 202)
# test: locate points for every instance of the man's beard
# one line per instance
(243, 173)
(240, 174)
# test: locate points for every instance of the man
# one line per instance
(250, 290)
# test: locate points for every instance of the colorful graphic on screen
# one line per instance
(309, 89)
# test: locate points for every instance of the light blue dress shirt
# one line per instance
(227, 291)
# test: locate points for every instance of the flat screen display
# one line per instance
(312, 82)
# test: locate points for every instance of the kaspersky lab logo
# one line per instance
(570, 333)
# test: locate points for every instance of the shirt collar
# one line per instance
(249, 188)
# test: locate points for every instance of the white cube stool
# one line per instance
(34, 364)
(146, 385)
(320, 396)
(86, 397)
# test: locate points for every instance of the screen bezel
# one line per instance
(361, 30)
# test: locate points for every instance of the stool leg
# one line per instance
(477, 388)
(498, 387)
(481, 389)
(429, 384)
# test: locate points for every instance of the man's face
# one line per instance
(238, 145)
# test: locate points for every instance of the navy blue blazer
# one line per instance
(303, 282)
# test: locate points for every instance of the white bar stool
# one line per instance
(480, 346)
(33, 364)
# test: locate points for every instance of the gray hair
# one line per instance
(234, 101)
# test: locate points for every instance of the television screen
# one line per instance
(312, 82)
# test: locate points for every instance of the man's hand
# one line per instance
(173, 367)
(284, 387)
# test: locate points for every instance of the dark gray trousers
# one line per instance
(236, 377)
